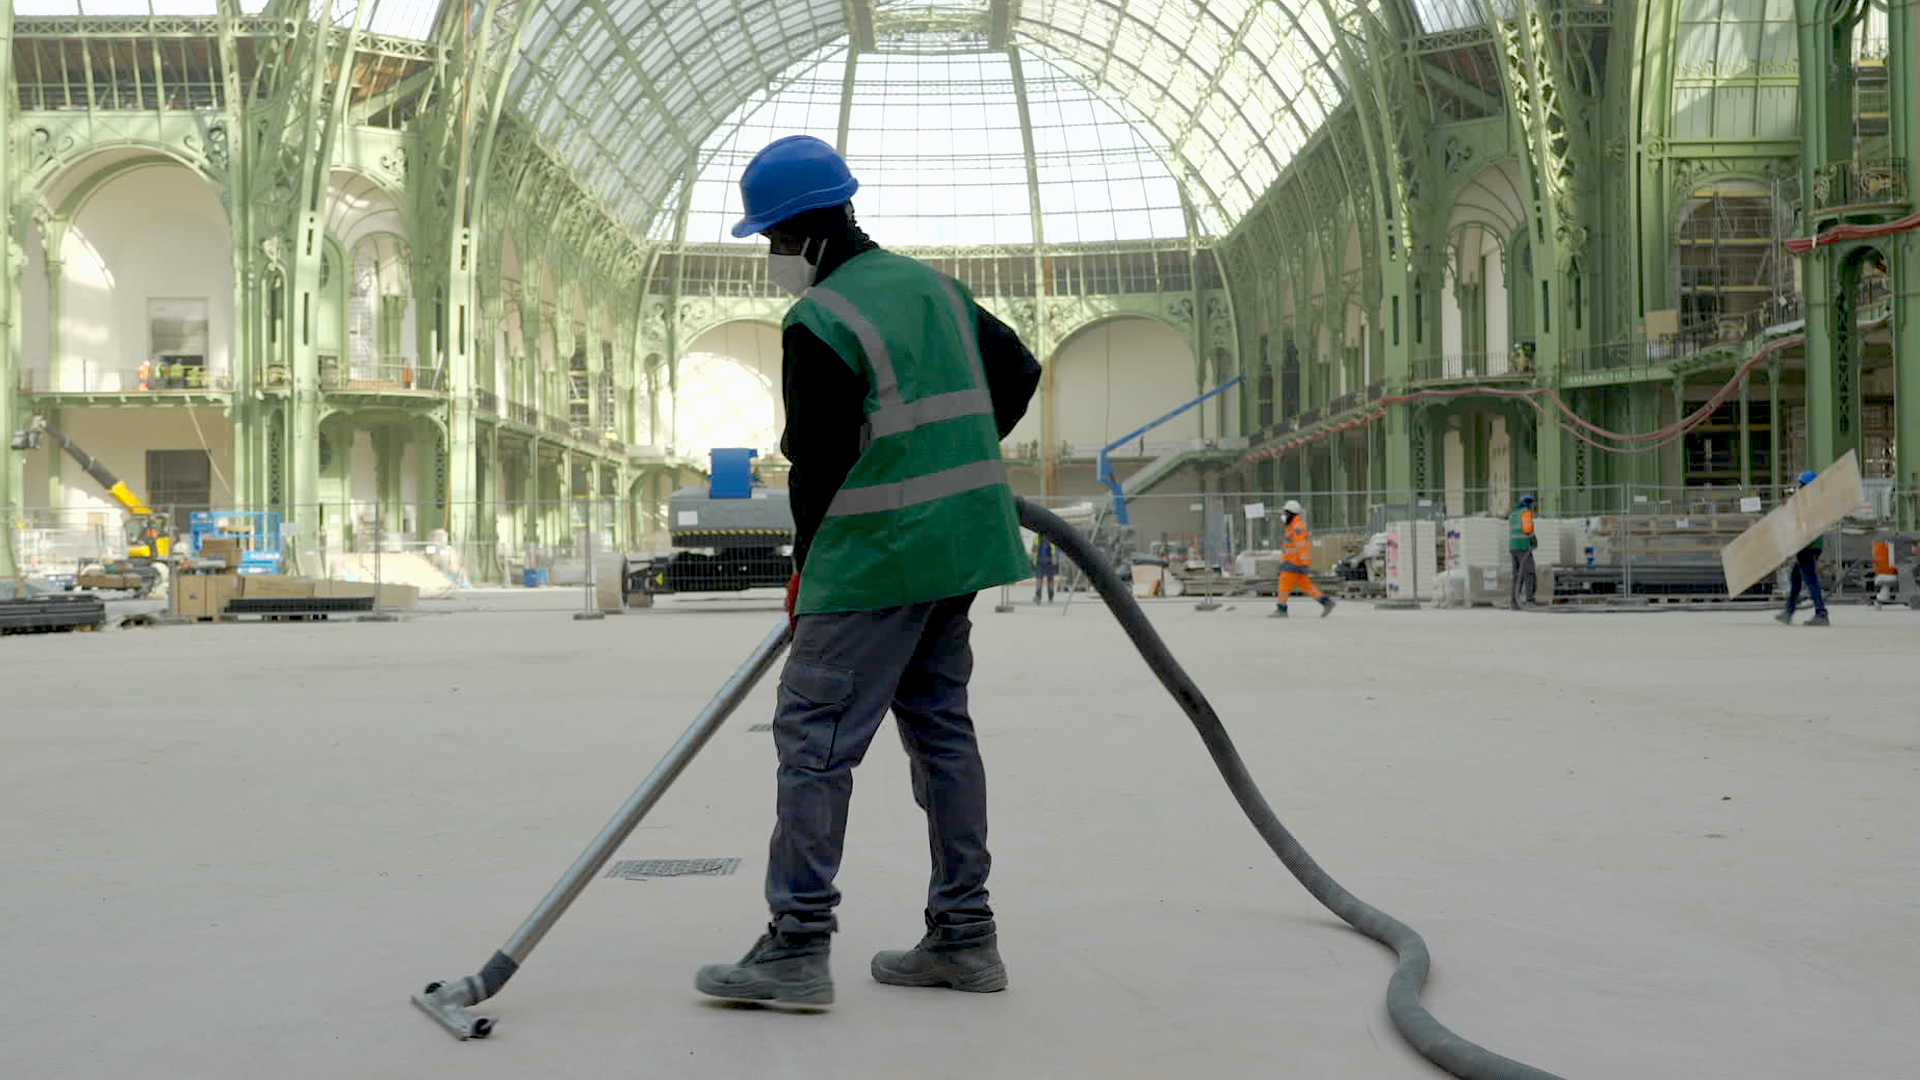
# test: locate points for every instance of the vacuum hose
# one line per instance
(1428, 1036)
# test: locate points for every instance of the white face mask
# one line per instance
(794, 273)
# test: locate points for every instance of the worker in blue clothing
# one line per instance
(1046, 567)
(899, 388)
(1806, 570)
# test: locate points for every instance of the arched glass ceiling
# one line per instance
(629, 91)
(938, 145)
(395, 18)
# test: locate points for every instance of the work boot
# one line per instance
(1819, 619)
(791, 969)
(957, 957)
(1784, 618)
(1279, 612)
(1326, 606)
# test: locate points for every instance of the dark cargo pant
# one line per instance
(1806, 571)
(844, 673)
(1525, 582)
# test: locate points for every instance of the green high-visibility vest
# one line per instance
(926, 513)
(1518, 539)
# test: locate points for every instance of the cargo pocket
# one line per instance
(812, 699)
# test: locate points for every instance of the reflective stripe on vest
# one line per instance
(879, 498)
(893, 416)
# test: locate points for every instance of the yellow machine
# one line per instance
(147, 534)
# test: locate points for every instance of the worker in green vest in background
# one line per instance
(1806, 571)
(1521, 541)
(898, 390)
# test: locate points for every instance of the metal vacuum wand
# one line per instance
(448, 1002)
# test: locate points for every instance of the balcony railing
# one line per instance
(486, 401)
(523, 414)
(1486, 365)
(1724, 331)
(1872, 183)
(556, 425)
(390, 375)
(87, 377)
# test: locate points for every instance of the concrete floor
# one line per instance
(1674, 845)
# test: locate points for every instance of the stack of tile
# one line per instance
(1476, 541)
(1413, 564)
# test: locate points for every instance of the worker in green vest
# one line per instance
(1806, 572)
(1521, 541)
(898, 390)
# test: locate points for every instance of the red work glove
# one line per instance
(793, 594)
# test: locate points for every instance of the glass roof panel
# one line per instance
(1439, 16)
(121, 7)
(1228, 90)
(936, 143)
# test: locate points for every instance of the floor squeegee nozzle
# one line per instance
(448, 1005)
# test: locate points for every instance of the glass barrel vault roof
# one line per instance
(644, 99)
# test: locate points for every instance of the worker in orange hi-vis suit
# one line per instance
(1296, 561)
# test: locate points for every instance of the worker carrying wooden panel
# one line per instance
(1794, 531)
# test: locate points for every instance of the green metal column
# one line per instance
(1746, 437)
(1826, 130)
(1903, 252)
(56, 267)
(13, 466)
(1777, 429)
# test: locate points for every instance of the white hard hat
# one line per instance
(1292, 506)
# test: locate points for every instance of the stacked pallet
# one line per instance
(1673, 537)
(1562, 541)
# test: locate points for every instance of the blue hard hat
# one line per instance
(791, 176)
(1807, 476)
(1526, 500)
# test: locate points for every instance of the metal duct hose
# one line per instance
(1428, 1036)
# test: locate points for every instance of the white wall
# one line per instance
(1456, 472)
(33, 302)
(1449, 318)
(1499, 466)
(730, 390)
(1499, 335)
(1114, 377)
(120, 438)
(156, 232)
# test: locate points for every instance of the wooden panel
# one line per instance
(1776, 538)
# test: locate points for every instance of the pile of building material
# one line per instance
(1666, 537)
(211, 593)
(44, 614)
(1413, 564)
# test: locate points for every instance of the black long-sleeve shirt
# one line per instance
(825, 411)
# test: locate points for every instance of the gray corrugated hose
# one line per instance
(1428, 1036)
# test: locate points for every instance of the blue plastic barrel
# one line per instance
(533, 577)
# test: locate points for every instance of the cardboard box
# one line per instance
(274, 586)
(203, 596)
(386, 596)
(224, 548)
(398, 596)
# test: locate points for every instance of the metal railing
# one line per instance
(1479, 365)
(391, 374)
(525, 415)
(486, 401)
(89, 377)
(1778, 315)
(1862, 183)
